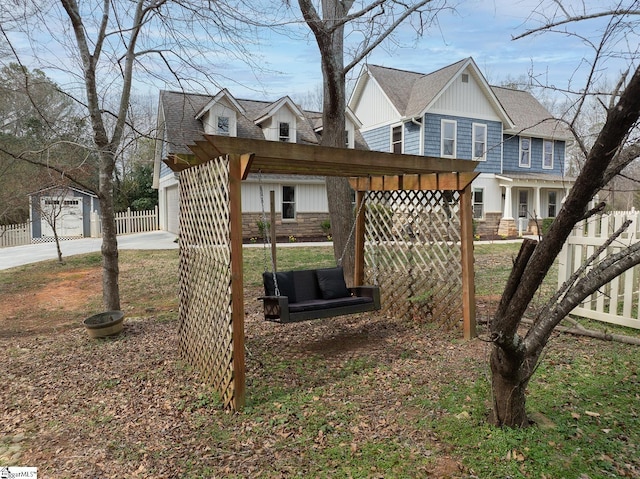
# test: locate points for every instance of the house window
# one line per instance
(523, 203)
(448, 137)
(525, 152)
(223, 125)
(478, 204)
(479, 142)
(284, 131)
(553, 202)
(346, 138)
(288, 203)
(396, 139)
(547, 151)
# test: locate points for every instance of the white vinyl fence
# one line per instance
(617, 302)
(128, 222)
(15, 235)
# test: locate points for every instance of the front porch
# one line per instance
(527, 199)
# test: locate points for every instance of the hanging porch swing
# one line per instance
(301, 295)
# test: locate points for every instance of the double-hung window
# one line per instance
(284, 131)
(396, 139)
(478, 203)
(547, 155)
(448, 138)
(553, 204)
(222, 126)
(525, 152)
(288, 202)
(479, 142)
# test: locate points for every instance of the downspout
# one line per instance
(418, 121)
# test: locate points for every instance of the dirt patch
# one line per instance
(45, 309)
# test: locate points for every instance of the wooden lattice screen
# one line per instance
(206, 332)
(412, 250)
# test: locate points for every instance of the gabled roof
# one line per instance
(529, 116)
(63, 187)
(222, 94)
(412, 93)
(182, 113)
(271, 109)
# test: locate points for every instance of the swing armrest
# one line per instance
(276, 307)
(372, 292)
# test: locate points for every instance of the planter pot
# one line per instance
(104, 324)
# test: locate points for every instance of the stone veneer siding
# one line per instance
(488, 226)
(306, 225)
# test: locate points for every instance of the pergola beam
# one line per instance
(274, 157)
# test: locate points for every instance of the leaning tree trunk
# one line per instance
(513, 359)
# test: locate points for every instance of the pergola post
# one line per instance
(358, 272)
(466, 247)
(237, 288)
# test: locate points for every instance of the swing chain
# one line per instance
(266, 238)
(353, 228)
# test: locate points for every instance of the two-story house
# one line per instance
(454, 113)
(300, 201)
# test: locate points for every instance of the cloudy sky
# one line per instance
(480, 29)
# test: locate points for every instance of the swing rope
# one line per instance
(266, 238)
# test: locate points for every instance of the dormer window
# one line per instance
(223, 125)
(284, 132)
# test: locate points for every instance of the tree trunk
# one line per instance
(508, 385)
(110, 269)
(339, 194)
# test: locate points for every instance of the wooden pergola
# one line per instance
(366, 170)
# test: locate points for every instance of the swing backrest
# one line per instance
(307, 285)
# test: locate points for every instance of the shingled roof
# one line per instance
(182, 128)
(411, 93)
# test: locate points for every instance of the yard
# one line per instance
(359, 396)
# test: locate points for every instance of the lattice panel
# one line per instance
(412, 250)
(206, 339)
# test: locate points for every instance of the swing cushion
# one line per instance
(306, 285)
(331, 283)
(285, 284)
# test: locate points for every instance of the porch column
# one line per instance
(536, 202)
(506, 214)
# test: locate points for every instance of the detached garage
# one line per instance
(67, 209)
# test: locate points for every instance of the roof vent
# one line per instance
(465, 78)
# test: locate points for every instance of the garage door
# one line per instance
(65, 212)
(173, 209)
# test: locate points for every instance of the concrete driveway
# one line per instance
(32, 253)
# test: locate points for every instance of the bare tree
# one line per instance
(514, 357)
(107, 46)
(373, 23)
(50, 205)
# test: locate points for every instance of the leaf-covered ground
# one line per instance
(357, 396)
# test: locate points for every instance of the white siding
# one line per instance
(310, 198)
(492, 192)
(222, 108)
(465, 99)
(271, 127)
(374, 106)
